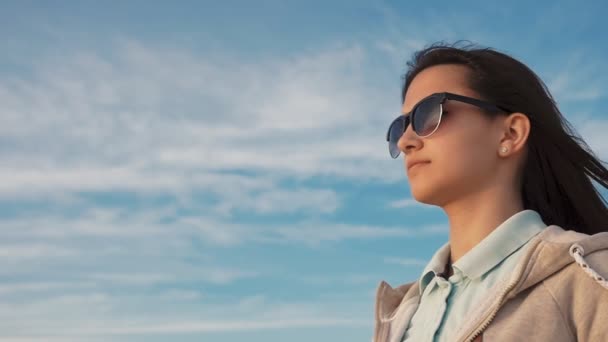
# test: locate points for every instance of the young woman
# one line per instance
(527, 256)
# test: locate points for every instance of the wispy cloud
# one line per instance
(146, 117)
(314, 233)
(22, 251)
(282, 202)
(577, 78)
(246, 314)
(405, 261)
(406, 203)
(342, 279)
(164, 226)
(593, 132)
(16, 288)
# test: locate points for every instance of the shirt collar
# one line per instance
(436, 266)
(503, 241)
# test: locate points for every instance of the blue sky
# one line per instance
(217, 171)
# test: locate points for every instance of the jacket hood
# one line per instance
(550, 251)
(554, 249)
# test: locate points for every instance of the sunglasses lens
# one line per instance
(395, 132)
(427, 116)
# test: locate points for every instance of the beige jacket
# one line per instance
(557, 292)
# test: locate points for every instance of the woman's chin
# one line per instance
(425, 196)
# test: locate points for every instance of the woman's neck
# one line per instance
(474, 218)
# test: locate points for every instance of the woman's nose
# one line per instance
(409, 141)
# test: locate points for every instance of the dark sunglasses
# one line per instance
(426, 115)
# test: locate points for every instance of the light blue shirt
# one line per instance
(445, 304)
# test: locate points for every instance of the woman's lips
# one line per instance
(416, 165)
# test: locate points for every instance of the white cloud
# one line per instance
(314, 233)
(43, 286)
(163, 227)
(341, 279)
(218, 232)
(146, 117)
(132, 278)
(180, 294)
(570, 85)
(282, 201)
(576, 78)
(405, 261)
(17, 252)
(406, 203)
(202, 274)
(593, 131)
(104, 318)
(154, 121)
(167, 121)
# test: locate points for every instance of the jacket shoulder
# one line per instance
(588, 272)
(582, 297)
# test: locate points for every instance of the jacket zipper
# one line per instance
(485, 324)
(502, 296)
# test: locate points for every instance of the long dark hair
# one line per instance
(555, 175)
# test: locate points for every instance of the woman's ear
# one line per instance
(515, 130)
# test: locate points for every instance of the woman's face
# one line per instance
(462, 154)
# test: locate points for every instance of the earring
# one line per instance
(504, 149)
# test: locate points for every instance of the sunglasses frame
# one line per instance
(407, 118)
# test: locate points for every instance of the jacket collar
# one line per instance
(388, 299)
(503, 241)
(550, 253)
